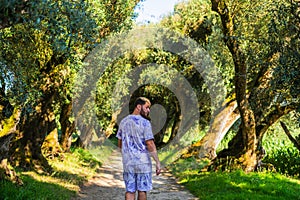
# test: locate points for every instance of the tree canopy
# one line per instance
(43, 45)
(48, 48)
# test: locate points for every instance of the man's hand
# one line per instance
(158, 168)
(152, 151)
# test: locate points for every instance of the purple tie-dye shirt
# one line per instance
(134, 130)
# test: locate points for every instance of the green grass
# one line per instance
(81, 165)
(62, 184)
(34, 189)
(285, 184)
(234, 185)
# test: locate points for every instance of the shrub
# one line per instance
(286, 160)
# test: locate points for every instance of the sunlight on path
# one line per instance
(108, 184)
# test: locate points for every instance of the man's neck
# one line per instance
(135, 112)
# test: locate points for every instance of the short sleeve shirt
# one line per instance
(134, 131)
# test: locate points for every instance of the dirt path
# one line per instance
(109, 185)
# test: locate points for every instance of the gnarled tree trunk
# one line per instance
(26, 149)
(7, 132)
(222, 122)
(247, 156)
(67, 127)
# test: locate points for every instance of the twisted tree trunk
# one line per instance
(247, 156)
(67, 127)
(26, 149)
(7, 132)
(222, 122)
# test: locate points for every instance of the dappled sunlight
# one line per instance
(38, 185)
(108, 183)
(56, 180)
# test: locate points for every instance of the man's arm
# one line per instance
(152, 150)
(120, 144)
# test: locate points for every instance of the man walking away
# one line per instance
(136, 141)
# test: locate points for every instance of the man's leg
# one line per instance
(142, 195)
(130, 196)
(130, 184)
(144, 184)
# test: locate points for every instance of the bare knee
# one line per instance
(130, 196)
(142, 195)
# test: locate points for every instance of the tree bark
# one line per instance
(85, 138)
(176, 125)
(247, 129)
(26, 149)
(67, 127)
(51, 147)
(222, 122)
(159, 129)
(7, 132)
(287, 132)
(236, 144)
(265, 122)
(110, 129)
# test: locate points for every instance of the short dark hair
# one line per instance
(141, 101)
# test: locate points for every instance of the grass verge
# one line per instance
(234, 185)
(62, 184)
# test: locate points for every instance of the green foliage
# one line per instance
(86, 158)
(195, 19)
(285, 23)
(57, 35)
(52, 42)
(280, 151)
(43, 45)
(9, 123)
(174, 151)
(131, 70)
(286, 160)
(184, 168)
(230, 134)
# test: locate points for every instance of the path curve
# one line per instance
(108, 184)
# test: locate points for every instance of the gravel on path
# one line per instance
(108, 184)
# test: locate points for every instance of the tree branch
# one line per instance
(287, 132)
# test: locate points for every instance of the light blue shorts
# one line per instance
(137, 181)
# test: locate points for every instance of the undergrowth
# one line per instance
(68, 173)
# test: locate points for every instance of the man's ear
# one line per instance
(139, 107)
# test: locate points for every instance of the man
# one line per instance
(135, 139)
